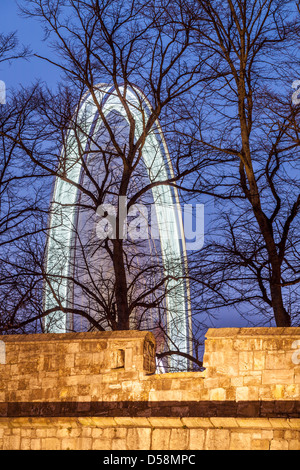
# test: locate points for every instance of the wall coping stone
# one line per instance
(89, 336)
(259, 331)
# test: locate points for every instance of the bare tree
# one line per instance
(122, 45)
(217, 75)
(247, 125)
(20, 211)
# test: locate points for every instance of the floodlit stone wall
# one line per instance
(149, 434)
(99, 391)
(251, 364)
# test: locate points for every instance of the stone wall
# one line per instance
(253, 364)
(99, 391)
(96, 433)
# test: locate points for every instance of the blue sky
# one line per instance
(25, 73)
(30, 33)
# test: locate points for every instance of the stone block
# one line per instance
(161, 439)
(294, 423)
(279, 444)
(217, 394)
(197, 438)
(179, 439)
(165, 422)
(102, 444)
(279, 423)
(139, 438)
(259, 358)
(52, 444)
(197, 422)
(240, 441)
(217, 439)
(277, 377)
(294, 444)
(278, 360)
(256, 423)
(230, 393)
(237, 381)
(242, 393)
(260, 444)
(245, 361)
(118, 444)
(35, 444)
(225, 423)
(12, 443)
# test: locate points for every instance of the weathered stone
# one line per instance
(260, 444)
(240, 441)
(179, 439)
(217, 439)
(139, 438)
(197, 438)
(161, 439)
(279, 444)
(294, 444)
(94, 391)
(277, 377)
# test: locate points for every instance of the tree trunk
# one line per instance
(121, 286)
(282, 317)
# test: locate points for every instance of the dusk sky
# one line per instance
(26, 72)
(30, 33)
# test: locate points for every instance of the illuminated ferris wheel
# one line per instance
(67, 224)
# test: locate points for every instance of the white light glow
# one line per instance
(64, 210)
